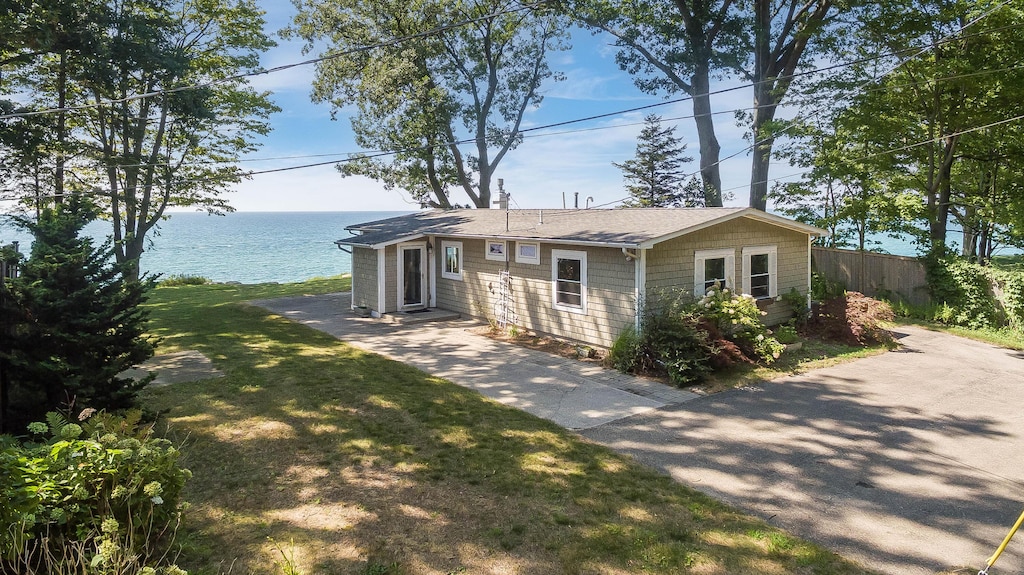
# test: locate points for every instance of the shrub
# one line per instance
(625, 351)
(184, 280)
(95, 494)
(854, 319)
(670, 341)
(963, 292)
(823, 289)
(786, 334)
(739, 320)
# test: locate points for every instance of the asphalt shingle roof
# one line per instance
(629, 227)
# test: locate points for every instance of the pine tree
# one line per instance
(77, 320)
(655, 177)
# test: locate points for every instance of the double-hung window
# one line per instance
(760, 271)
(713, 267)
(569, 280)
(451, 266)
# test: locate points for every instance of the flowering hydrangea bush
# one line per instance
(739, 320)
(95, 493)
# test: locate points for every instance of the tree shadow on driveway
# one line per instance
(833, 458)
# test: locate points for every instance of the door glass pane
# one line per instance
(412, 276)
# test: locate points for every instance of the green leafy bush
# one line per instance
(184, 280)
(625, 351)
(97, 493)
(822, 288)
(974, 296)
(786, 334)
(670, 341)
(685, 339)
(739, 320)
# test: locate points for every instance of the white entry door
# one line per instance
(412, 276)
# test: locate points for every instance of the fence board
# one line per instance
(876, 275)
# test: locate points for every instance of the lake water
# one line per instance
(254, 247)
(248, 247)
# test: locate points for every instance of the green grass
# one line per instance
(1002, 337)
(364, 465)
(813, 354)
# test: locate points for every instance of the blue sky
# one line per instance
(536, 173)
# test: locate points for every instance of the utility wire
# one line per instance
(947, 38)
(281, 68)
(340, 156)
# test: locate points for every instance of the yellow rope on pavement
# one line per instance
(1002, 546)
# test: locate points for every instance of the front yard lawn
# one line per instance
(310, 456)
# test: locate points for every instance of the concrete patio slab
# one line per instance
(178, 367)
(570, 393)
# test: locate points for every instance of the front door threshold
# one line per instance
(411, 317)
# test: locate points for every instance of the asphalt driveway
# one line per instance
(910, 462)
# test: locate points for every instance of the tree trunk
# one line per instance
(764, 110)
(62, 101)
(710, 170)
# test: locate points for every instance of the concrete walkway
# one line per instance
(573, 394)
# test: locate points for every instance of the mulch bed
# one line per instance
(548, 344)
(855, 319)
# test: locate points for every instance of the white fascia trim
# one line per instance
(751, 213)
(639, 288)
(432, 271)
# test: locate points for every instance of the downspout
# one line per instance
(639, 282)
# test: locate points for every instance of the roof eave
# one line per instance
(379, 245)
(752, 213)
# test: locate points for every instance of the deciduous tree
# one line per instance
(161, 114)
(442, 91)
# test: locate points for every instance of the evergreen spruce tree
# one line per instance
(655, 177)
(77, 320)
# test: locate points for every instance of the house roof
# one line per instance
(623, 227)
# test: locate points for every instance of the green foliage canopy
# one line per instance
(77, 321)
(443, 90)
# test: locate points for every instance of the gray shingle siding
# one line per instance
(364, 277)
(610, 289)
(670, 264)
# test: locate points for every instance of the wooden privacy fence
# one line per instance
(875, 275)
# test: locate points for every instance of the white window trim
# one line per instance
(700, 256)
(521, 259)
(569, 255)
(444, 260)
(773, 268)
(495, 257)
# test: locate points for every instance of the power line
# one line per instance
(376, 153)
(283, 67)
(947, 38)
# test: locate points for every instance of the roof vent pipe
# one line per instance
(576, 202)
(540, 217)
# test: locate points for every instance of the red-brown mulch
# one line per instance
(855, 319)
